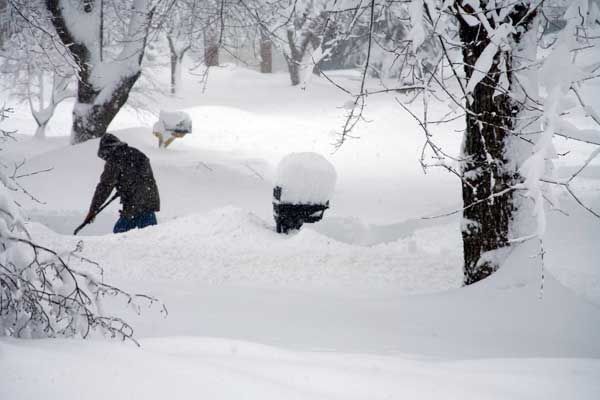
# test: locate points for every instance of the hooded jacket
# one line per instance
(128, 171)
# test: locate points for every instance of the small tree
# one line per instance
(304, 34)
(261, 19)
(36, 72)
(213, 25)
(42, 89)
(59, 89)
(181, 32)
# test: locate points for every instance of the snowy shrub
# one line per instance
(42, 293)
(305, 178)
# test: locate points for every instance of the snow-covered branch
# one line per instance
(50, 293)
(103, 83)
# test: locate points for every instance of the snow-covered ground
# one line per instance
(366, 304)
(186, 368)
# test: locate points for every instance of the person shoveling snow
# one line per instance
(128, 171)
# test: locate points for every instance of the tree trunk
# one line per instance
(3, 26)
(211, 55)
(487, 169)
(294, 58)
(294, 69)
(266, 53)
(40, 132)
(178, 67)
(91, 115)
(96, 107)
(211, 48)
(42, 118)
(176, 58)
(174, 61)
(44, 112)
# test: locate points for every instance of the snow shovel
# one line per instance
(80, 227)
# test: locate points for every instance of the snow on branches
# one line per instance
(560, 75)
(497, 66)
(38, 70)
(106, 74)
(49, 293)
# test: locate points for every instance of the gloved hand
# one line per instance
(90, 217)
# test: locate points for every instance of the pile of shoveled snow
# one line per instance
(231, 245)
(227, 274)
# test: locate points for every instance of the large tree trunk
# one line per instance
(92, 114)
(97, 106)
(488, 172)
(266, 53)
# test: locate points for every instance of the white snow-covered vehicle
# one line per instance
(170, 126)
(303, 187)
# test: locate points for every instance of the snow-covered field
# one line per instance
(366, 304)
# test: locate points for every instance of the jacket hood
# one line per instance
(108, 144)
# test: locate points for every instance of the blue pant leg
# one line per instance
(146, 219)
(141, 221)
(123, 225)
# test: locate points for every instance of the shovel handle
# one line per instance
(80, 227)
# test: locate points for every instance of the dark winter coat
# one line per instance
(128, 171)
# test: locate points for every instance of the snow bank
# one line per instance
(233, 246)
(228, 274)
(305, 178)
